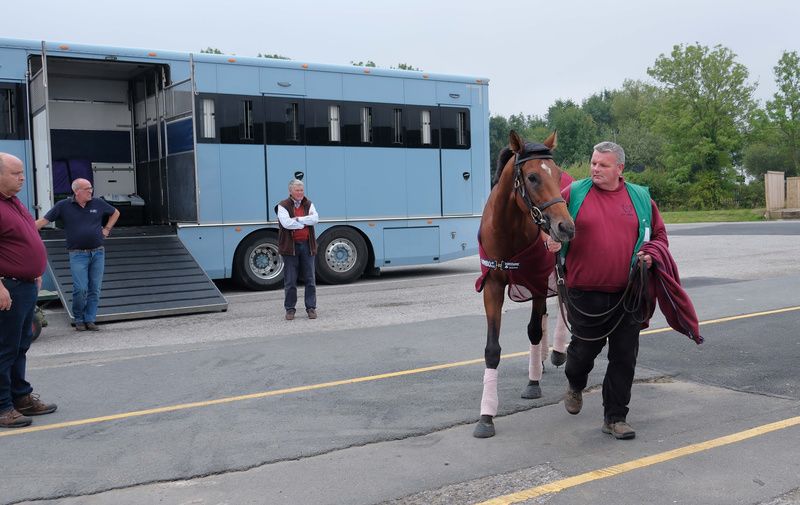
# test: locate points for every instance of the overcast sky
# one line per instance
(533, 52)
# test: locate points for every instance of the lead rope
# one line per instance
(631, 300)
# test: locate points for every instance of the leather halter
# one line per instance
(536, 152)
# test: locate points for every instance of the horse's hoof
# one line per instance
(483, 430)
(558, 358)
(532, 391)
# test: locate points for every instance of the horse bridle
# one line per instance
(536, 211)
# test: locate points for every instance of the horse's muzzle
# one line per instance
(563, 231)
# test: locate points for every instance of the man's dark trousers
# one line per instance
(15, 340)
(301, 265)
(623, 349)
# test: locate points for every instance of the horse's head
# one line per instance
(536, 183)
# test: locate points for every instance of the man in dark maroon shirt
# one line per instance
(22, 262)
(608, 231)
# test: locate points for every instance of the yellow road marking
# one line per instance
(611, 471)
(323, 385)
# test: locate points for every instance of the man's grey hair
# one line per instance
(75, 185)
(610, 147)
(296, 182)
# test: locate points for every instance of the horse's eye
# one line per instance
(533, 178)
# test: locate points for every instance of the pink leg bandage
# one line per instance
(535, 362)
(489, 400)
(560, 336)
(544, 342)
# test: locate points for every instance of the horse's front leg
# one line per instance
(537, 335)
(493, 297)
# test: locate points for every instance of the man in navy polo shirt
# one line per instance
(83, 225)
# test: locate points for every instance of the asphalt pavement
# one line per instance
(375, 401)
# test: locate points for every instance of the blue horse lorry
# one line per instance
(196, 149)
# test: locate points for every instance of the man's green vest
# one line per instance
(640, 197)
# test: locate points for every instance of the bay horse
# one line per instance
(525, 202)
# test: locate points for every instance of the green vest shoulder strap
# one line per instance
(640, 197)
(577, 193)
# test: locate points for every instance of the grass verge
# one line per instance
(713, 216)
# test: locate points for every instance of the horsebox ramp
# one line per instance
(148, 273)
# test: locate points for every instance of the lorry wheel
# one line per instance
(257, 264)
(341, 255)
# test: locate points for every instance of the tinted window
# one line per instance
(351, 123)
(285, 121)
(418, 119)
(12, 117)
(239, 119)
(455, 128)
(383, 125)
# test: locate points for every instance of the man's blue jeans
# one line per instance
(15, 339)
(300, 265)
(87, 276)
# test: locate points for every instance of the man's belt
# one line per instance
(18, 279)
(86, 250)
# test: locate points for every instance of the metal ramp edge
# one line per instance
(145, 276)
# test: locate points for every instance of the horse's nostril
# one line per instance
(568, 229)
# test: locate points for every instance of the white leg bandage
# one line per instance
(489, 400)
(535, 362)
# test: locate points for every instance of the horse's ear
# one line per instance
(552, 141)
(515, 142)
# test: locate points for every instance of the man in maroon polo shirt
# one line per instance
(22, 263)
(608, 230)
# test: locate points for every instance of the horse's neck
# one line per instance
(506, 217)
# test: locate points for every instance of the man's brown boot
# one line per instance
(11, 418)
(573, 401)
(620, 429)
(30, 405)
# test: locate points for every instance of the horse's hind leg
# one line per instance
(537, 334)
(493, 297)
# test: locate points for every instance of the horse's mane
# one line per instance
(505, 154)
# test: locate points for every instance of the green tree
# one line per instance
(531, 128)
(705, 112)
(369, 63)
(599, 107)
(406, 66)
(577, 132)
(784, 108)
(631, 110)
(273, 56)
(643, 146)
(633, 101)
(766, 147)
(211, 50)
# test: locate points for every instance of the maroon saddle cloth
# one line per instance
(527, 271)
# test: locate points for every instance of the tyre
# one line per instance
(341, 255)
(257, 264)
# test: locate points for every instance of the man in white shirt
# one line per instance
(297, 245)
